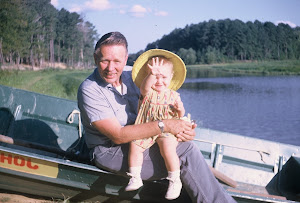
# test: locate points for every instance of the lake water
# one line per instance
(260, 107)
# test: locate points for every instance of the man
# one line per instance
(108, 101)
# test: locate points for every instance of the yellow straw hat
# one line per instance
(139, 69)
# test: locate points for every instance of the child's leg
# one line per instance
(135, 155)
(167, 147)
(135, 161)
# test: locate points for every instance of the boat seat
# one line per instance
(41, 120)
(5, 120)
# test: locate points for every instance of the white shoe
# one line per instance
(174, 188)
(135, 183)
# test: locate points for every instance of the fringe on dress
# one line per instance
(156, 106)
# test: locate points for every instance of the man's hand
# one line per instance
(187, 135)
(183, 130)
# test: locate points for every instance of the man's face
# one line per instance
(110, 62)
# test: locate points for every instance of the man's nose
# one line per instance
(110, 66)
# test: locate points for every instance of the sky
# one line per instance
(145, 21)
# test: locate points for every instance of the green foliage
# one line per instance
(37, 34)
(188, 55)
(69, 84)
(233, 40)
(34, 32)
(133, 57)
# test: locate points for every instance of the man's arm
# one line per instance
(119, 135)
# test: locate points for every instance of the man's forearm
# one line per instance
(119, 135)
(139, 131)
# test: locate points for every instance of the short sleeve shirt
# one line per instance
(98, 100)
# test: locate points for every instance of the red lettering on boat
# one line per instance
(17, 161)
(8, 158)
(30, 166)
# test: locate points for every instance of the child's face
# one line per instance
(163, 80)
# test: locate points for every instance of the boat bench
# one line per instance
(47, 124)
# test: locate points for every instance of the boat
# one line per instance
(42, 152)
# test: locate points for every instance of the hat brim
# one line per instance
(139, 69)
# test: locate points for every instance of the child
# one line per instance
(158, 73)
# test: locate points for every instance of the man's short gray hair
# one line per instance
(111, 38)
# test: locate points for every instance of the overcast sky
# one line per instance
(145, 21)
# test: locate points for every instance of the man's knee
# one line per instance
(189, 147)
(188, 151)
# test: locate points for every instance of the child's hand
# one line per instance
(178, 106)
(155, 68)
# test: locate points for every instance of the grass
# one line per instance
(258, 68)
(54, 82)
(64, 83)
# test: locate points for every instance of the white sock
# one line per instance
(174, 174)
(135, 171)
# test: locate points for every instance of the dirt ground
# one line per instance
(8, 197)
(13, 197)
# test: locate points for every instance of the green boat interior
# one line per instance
(44, 131)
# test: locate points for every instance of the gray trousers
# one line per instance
(197, 179)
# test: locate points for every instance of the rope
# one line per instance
(70, 119)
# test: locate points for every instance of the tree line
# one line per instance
(228, 40)
(36, 33)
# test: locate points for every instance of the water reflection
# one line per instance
(207, 86)
(214, 72)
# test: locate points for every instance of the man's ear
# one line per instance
(96, 59)
(126, 59)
